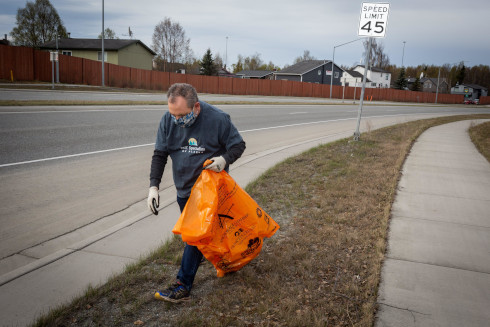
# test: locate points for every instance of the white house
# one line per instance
(378, 77)
(354, 79)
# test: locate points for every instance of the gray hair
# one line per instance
(187, 91)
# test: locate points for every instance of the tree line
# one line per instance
(38, 22)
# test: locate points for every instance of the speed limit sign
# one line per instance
(374, 18)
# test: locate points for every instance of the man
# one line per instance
(190, 132)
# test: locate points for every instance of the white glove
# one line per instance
(218, 164)
(153, 200)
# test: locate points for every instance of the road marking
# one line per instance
(299, 112)
(76, 111)
(74, 155)
(149, 144)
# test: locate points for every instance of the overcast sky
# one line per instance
(435, 31)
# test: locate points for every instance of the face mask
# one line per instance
(185, 121)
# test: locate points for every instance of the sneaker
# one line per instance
(175, 293)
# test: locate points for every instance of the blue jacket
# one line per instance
(212, 134)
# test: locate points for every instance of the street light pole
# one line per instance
(333, 63)
(403, 53)
(226, 53)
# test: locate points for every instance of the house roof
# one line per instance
(254, 73)
(302, 67)
(356, 74)
(474, 86)
(375, 69)
(93, 44)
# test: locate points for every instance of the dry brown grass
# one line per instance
(480, 135)
(322, 268)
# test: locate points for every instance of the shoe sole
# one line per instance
(167, 299)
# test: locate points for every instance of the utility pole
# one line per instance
(357, 134)
(403, 53)
(103, 42)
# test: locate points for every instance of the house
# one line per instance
(129, 53)
(378, 76)
(223, 72)
(311, 71)
(470, 91)
(354, 78)
(430, 84)
(255, 74)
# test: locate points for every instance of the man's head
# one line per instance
(182, 100)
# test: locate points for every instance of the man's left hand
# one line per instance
(218, 164)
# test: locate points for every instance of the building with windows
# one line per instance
(470, 91)
(129, 53)
(378, 77)
(311, 71)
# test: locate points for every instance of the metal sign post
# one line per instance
(53, 57)
(372, 23)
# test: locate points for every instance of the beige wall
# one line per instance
(112, 57)
(136, 56)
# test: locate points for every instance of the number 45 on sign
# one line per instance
(373, 20)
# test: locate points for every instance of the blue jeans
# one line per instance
(190, 260)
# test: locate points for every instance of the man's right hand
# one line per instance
(153, 200)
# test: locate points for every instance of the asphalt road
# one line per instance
(63, 168)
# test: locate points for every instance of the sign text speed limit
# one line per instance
(374, 18)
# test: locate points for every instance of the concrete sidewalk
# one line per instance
(437, 268)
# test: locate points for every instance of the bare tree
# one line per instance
(170, 43)
(306, 56)
(37, 23)
(108, 34)
(377, 58)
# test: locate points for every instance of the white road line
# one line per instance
(149, 144)
(76, 111)
(299, 112)
(74, 155)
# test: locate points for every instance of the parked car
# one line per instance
(471, 101)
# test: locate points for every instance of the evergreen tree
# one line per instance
(207, 64)
(401, 81)
(416, 86)
(461, 74)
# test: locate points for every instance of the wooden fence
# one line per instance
(27, 64)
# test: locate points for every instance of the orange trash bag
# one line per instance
(224, 222)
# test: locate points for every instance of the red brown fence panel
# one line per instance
(17, 62)
(140, 78)
(196, 81)
(177, 78)
(42, 66)
(239, 86)
(485, 100)
(92, 72)
(119, 76)
(71, 69)
(160, 80)
(210, 84)
(265, 87)
(225, 85)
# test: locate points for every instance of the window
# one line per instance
(373, 84)
(319, 72)
(336, 75)
(66, 53)
(99, 56)
(386, 77)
